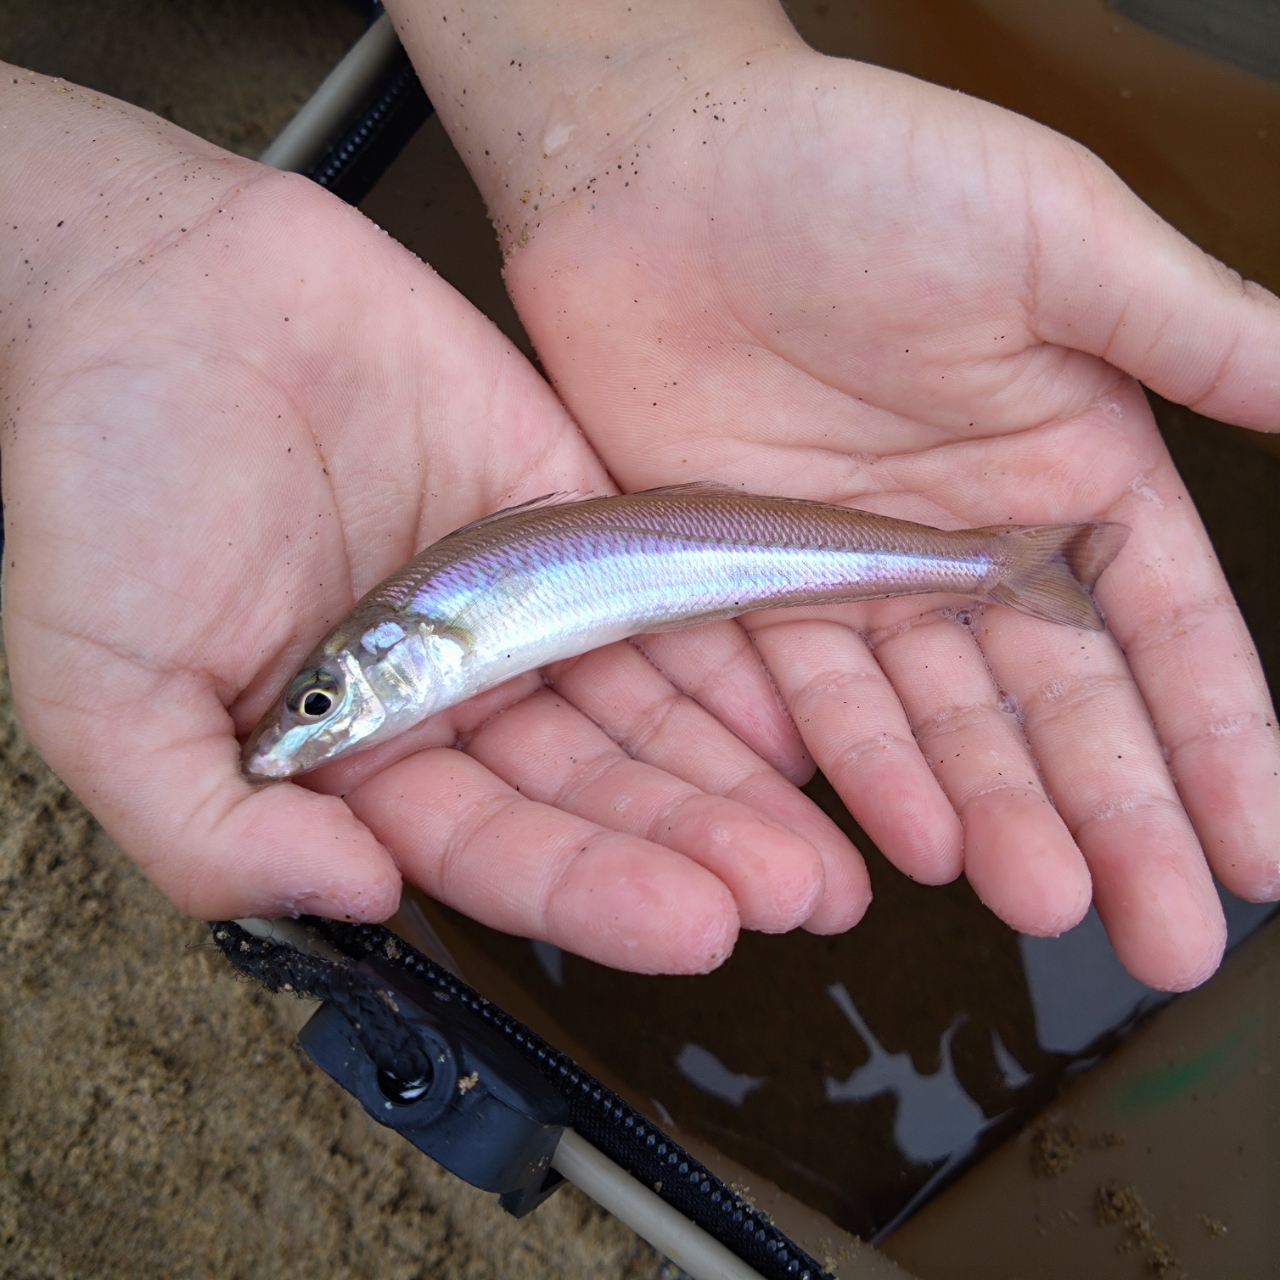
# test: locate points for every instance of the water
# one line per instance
(862, 1072)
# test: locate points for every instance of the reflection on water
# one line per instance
(862, 1072)
(1079, 988)
(551, 958)
(701, 1067)
(1015, 1075)
(935, 1118)
(937, 1124)
(848, 1070)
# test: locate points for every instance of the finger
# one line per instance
(1114, 279)
(553, 754)
(1090, 729)
(636, 706)
(857, 730)
(472, 841)
(718, 667)
(1172, 611)
(1018, 854)
(157, 763)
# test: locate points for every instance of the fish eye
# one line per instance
(313, 695)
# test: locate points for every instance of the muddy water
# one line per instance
(846, 1070)
(861, 1072)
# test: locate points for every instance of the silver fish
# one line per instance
(538, 583)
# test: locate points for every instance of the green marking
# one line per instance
(1165, 1085)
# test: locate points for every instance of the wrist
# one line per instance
(544, 96)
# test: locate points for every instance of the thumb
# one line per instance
(158, 765)
(1116, 280)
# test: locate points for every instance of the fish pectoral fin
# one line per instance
(1053, 568)
(451, 630)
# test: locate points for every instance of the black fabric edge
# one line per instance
(613, 1127)
(352, 167)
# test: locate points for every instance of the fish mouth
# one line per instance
(260, 760)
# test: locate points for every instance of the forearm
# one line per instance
(89, 185)
(541, 96)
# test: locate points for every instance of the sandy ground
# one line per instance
(230, 70)
(156, 1120)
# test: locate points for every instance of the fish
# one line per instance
(552, 578)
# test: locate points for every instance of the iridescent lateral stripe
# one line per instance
(675, 558)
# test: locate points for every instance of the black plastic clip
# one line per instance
(476, 1108)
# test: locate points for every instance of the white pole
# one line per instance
(303, 140)
(695, 1252)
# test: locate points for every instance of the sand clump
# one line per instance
(1119, 1202)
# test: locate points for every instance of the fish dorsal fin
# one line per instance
(693, 486)
(567, 497)
(562, 498)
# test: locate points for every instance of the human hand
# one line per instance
(743, 261)
(235, 405)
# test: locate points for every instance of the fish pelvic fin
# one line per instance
(1053, 568)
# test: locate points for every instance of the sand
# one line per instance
(157, 1120)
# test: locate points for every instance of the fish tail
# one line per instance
(1053, 568)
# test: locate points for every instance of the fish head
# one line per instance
(366, 682)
